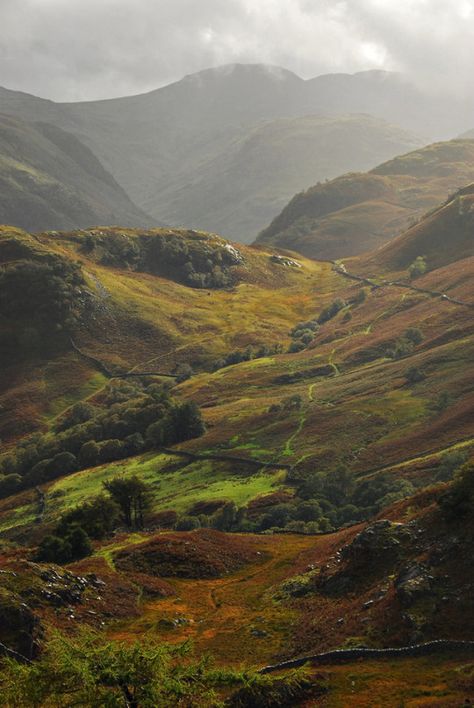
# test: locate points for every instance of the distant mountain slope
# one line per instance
(177, 150)
(359, 212)
(50, 180)
(237, 191)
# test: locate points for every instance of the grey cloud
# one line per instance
(87, 49)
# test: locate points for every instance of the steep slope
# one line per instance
(50, 180)
(359, 212)
(176, 150)
(444, 236)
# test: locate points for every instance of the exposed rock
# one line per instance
(20, 629)
(412, 583)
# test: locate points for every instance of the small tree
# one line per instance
(418, 267)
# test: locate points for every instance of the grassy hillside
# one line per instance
(320, 488)
(356, 213)
(148, 302)
(50, 180)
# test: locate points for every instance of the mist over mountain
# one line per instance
(182, 151)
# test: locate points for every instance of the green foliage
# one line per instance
(97, 517)
(449, 464)
(133, 497)
(414, 375)
(88, 670)
(331, 310)
(75, 544)
(458, 501)
(114, 428)
(187, 523)
(418, 267)
(442, 401)
(53, 285)
(247, 354)
(199, 263)
(404, 346)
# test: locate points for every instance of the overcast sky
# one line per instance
(87, 49)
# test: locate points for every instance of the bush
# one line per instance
(9, 484)
(413, 375)
(414, 335)
(458, 501)
(187, 523)
(296, 346)
(331, 311)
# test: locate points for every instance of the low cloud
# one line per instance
(89, 49)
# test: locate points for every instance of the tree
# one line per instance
(53, 549)
(89, 454)
(9, 484)
(225, 517)
(133, 496)
(98, 517)
(111, 450)
(88, 670)
(187, 523)
(418, 267)
(414, 375)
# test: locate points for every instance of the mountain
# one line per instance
(176, 150)
(50, 180)
(360, 212)
(238, 190)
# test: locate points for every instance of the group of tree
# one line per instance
(302, 334)
(126, 500)
(53, 285)
(405, 345)
(130, 418)
(247, 354)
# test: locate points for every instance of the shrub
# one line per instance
(414, 335)
(414, 375)
(187, 523)
(296, 346)
(331, 311)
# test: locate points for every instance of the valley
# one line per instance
(231, 473)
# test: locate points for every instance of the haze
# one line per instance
(89, 49)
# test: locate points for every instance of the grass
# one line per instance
(178, 489)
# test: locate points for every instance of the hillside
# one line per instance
(296, 426)
(445, 235)
(357, 213)
(240, 189)
(177, 151)
(50, 180)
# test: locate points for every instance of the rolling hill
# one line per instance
(337, 403)
(50, 180)
(355, 213)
